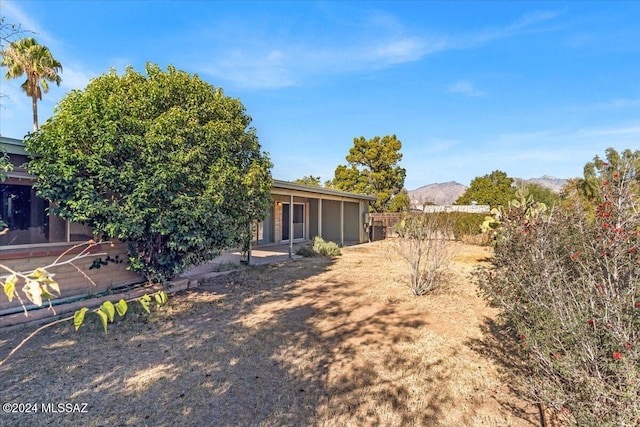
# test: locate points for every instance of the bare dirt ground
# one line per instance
(307, 342)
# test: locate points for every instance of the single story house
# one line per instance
(35, 239)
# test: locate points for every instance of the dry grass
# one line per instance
(309, 342)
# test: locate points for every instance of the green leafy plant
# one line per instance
(461, 224)
(107, 311)
(494, 189)
(324, 248)
(373, 168)
(306, 251)
(163, 161)
(310, 180)
(38, 285)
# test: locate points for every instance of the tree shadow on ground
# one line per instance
(286, 344)
(502, 347)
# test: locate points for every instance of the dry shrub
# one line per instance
(422, 245)
(568, 285)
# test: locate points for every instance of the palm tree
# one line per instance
(26, 56)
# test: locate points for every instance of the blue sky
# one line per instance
(530, 88)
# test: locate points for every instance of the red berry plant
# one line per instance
(568, 279)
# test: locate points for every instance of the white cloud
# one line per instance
(587, 138)
(15, 16)
(399, 51)
(531, 19)
(632, 131)
(290, 65)
(525, 24)
(74, 77)
(268, 70)
(615, 104)
(559, 152)
(465, 88)
(562, 148)
(272, 62)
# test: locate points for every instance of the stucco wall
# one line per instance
(313, 218)
(331, 220)
(351, 222)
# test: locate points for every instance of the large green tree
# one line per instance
(494, 189)
(540, 193)
(164, 161)
(616, 166)
(27, 57)
(373, 168)
(310, 180)
(587, 190)
(400, 202)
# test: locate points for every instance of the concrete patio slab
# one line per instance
(230, 260)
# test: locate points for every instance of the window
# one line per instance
(27, 221)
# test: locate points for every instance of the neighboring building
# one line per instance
(472, 208)
(35, 239)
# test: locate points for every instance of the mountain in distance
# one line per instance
(447, 193)
(442, 194)
(550, 182)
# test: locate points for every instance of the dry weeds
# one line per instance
(308, 342)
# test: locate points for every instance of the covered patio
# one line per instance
(298, 213)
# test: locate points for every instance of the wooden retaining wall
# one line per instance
(72, 282)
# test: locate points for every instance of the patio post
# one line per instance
(320, 217)
(341, 222)
(291, 226)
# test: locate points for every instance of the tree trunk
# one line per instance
(34, 105)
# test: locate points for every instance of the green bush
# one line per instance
(467, 224)
(163, 161)
(462, 224)
(306, 251)
(568, 284)
(324, 248)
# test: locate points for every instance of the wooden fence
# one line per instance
(381, 225)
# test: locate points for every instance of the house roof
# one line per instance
(286, 185)
(13, 145)
(17, 146)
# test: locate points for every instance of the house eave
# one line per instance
(13, 146)
(292, 186)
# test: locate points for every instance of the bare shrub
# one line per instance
(422, 243)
